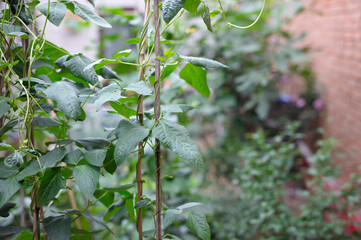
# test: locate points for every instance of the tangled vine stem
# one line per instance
(140, 117)
(157, 84)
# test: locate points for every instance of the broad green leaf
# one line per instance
(214, 13)
(92, 143)
(172, 108)
(50, 185)
(170, 215)
(87, 178)
(74, 157)
(106, 94)
(197, 222)
(120, 188)
(4, 210)
(109, 163)
(8, 188)
(191, 6)
(4, 107)
(53, 157)
(13, 159)
(95, 157)
(176, 138)
(132, 41)
(168, 70)
(114, 208)
(203, 62)
(44, 122)
(170, 8)
(58, 227)
(122, 109)
(108, 73)
(192, 207)
(56, 12)
(105, 197)
(140, 87)
(142, 203)
(13, 30)
(60, 62)
(6, 172)
(196, 77)
(207, 19)
(6, 147)
(31, 169)
(128, 135)
(25, 235)
(88, 14)
(77, 65)
(10, 230)
(66, 97)
(124, 53)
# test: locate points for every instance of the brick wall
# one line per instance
(334, 31)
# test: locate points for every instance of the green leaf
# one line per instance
(13, 159)
(108, 93)
(13, 30)
(87, 178)
(170, 8)
(203, 62)
(4, 210)
(10, 230)
(124, 53)
(191, 6)
(105, 197)
(197, 222)
(122, 109)
(53, 157)
(108, 73)
(140, 87)
(168, 70)
(214, 13)
(6, 172)
(109, 163)
(132, 41)
(176, 138)
(88, 14)
(192, 207)
(30, 170)
(25, 235)
(8, 188)
(196, 77)
(142, 203)
(50, 185)
(114, 208)
(120, 188)
(66, 97)
(58, 227)
(44, 122)
(77, 65)
(4, 107)
(170, 215)
(207, 19)
(128, 135)
(95, 157)
(56, 13)
(92, 143)
(74, 157)
(6, 147)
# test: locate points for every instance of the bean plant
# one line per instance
(44, 91)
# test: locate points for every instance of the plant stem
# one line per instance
(140, 118)
(157, 84)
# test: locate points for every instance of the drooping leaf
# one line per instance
(44, 122)
(13, 30)
(168, 70)
(53, 157)
(10, 230)
(4, 210)
(13, 159)
(140, 87)
(170, 8)
(74, 157)
(176, 138)
(207, 19)
(58, 227)
(128, 135)
(203, 62)
(192, 207)
(132, 41)
(88, 14)
(124, 53)
(197, 222)
(122, 109)
(92, 143)
(4, 107)
(31, 152)
(8, 188)
(196, 77)
(87, 178)
(31, 169)
(191, 6)
(95, 157)
(170, 215)
(77, 65)
(6, 172)
(105, 197)
(108, 93)
(114, 208)
(109, 163)
(56, 12)
(51, 184)
(66, 97)
(142, 203)
(108, 73)
(6, 147)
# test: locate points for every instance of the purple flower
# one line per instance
(300, 102)
(318, 104)
(285, 98)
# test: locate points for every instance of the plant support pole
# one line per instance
(158, 210)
